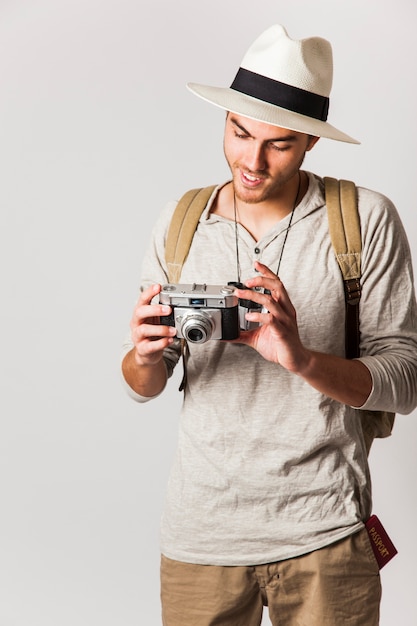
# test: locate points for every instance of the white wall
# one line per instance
(96, 132)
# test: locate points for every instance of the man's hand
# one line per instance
(277, 340)
(149, 337)
(143, 367)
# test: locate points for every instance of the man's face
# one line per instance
(262, 158)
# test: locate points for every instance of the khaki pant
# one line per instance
(336, 586)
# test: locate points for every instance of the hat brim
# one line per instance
(241, 104)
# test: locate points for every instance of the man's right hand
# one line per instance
(143, 367)
(148, 336)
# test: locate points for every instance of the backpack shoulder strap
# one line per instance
(182, 228)
(345, 233)
(344, 225)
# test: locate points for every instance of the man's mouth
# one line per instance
(251, 179)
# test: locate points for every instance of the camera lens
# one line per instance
(197, 327)
(195, 335)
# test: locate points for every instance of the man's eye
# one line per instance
(240, 135)
(279, 147)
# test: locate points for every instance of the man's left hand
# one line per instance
(276, 338)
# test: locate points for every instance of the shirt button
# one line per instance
(257, 250)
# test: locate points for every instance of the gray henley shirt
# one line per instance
(268, 468)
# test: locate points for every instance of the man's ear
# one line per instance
(312, 142)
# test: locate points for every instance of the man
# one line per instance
(270, 487)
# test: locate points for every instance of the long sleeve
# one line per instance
(388, 314)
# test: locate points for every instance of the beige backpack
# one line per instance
(345, 234)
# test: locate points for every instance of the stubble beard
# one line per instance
(256, 196)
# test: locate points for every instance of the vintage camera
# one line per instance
(247, 306)
(201, 312)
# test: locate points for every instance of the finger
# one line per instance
(264, 270)
(148, 294)
(272, 285)
(151, 351)
(149, 313)
(254, 296)
(276, 301)
(149, 332)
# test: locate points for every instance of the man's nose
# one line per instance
(255, 158)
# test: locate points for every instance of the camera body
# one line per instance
(247, 306)
(201, 312)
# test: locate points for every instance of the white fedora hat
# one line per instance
(282, 82)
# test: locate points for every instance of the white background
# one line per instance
(97, 132)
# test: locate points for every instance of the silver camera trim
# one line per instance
(207, 321)
(210, 296)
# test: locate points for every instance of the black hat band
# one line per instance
(281, 94)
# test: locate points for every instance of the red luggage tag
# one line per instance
(382, 545)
